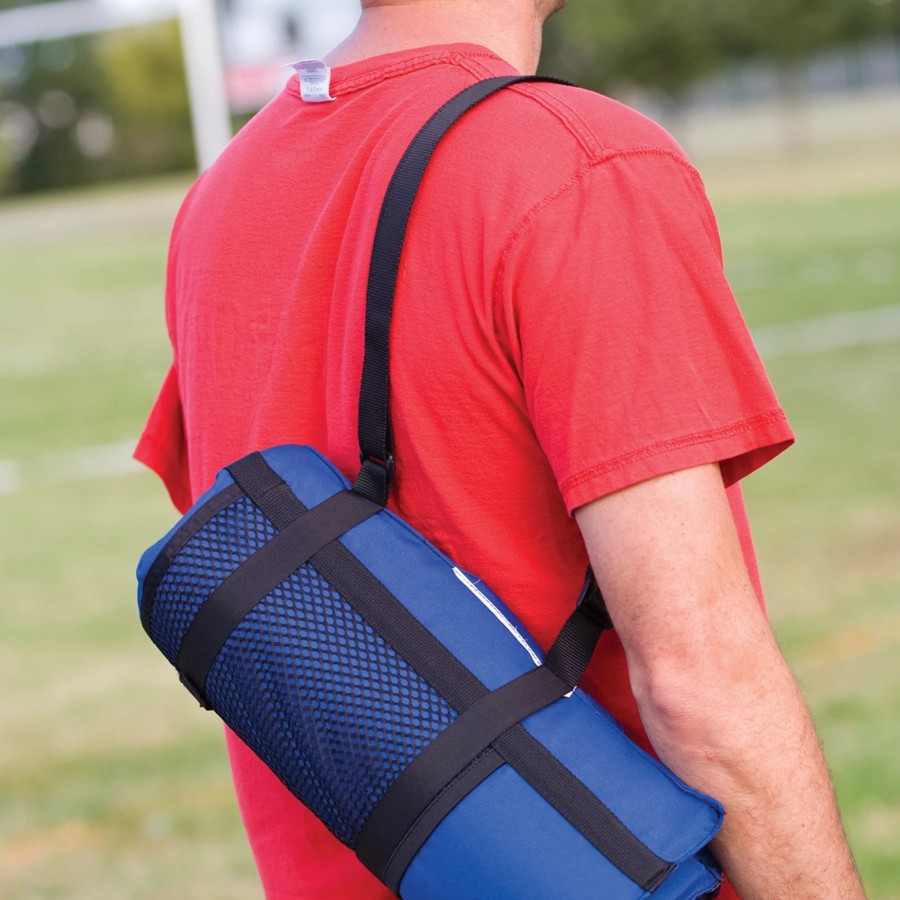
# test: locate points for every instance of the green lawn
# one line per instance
(114, 785)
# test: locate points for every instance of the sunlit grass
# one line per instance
(816, 238)
(801, 242)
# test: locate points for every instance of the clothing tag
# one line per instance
(315, 80)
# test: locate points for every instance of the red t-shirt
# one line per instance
(562, 329)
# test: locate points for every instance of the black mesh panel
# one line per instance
(318, 695)
(211, 555)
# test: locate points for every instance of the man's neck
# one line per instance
(510, 28)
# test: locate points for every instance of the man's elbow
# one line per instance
(697, 701)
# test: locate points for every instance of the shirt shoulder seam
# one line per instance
(569, 117)
(596, 162)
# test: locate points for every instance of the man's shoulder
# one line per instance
(600, 125)
(540, 140)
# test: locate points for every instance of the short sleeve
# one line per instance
(633, 355)
(163, 447)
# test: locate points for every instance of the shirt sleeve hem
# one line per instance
(152, 454)
(740, 448)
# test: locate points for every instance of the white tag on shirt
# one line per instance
(315, 80)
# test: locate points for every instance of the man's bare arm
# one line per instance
(715, 694)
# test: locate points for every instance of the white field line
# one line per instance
(811, 336)
(853, 329)
(83, 464)
(26, 362)
(10, 477)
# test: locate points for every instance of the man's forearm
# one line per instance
(715, 694)
(741, 732)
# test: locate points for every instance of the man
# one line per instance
(570, 379)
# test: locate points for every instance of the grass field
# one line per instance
(114, 785)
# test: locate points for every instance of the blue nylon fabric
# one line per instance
(477, 853)
(504, 841)
(420, 564)
(672, 819)
(412, 571)
(674, 823)
(307, 473)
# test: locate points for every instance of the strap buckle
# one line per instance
(386, 464)
(375, 477)
(194, 691)
(592, 604)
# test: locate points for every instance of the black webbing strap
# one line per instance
(266, 488)
(306, 533)
(398, 826)
(375, 441)
(575, 644)
(436, 812)
(566, 794)
(441, 763)
(431, 659)
(559, 787)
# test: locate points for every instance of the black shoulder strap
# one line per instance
(575, 645)
(375, 440)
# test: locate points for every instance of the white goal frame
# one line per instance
(204, 67)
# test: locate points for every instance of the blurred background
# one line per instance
(112, 783)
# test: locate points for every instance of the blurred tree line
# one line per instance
(93, 108)
(608, 44)
(115, 104)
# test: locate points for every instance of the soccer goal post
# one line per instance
(204, 67)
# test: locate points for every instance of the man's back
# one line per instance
(562, 330)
